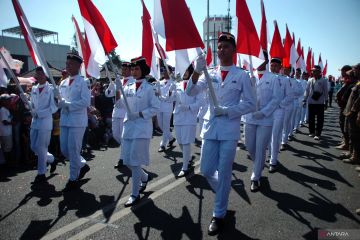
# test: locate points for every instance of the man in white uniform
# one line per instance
(299, 104)
(221, 129)
(258, 125)
(167, 98)
(43, 106)
(138, 126)
(73, 100)
(185, 114)
(119, 110)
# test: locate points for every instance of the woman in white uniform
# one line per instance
(138, 126)
(185, 113)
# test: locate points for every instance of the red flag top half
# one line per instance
(208, 56)
(263, 31)
(325, 69)
(180, 29)
(308, 61)
(287, 47)
(277, 49)
(94, 17)
(247, 38)
(147, 36)
(84, 51)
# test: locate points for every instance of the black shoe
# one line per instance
(161, 149)
(53, 166)
(183, 173)
(39, 179)
(144, 184)
(255, 185)
(119, 164)
(283, 147)
(272, 168)
(70, 185)
(215, 226)
(83, 171)
(171, 143)
(267, 160)
(132, 201)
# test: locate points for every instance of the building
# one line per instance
(217, 24)
(54, 52)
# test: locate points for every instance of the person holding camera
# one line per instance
(316, 95)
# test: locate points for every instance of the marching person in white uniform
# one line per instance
(74, 100)
(119, 110)
(185, 114)
(258, 125)
(278, 116)
(299, 106)
(167, 98)
(138, 126)
(304, 110)
(221, 129)
(43, 106)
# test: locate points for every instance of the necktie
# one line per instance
(41, 89)
(125, 81)
(224, 74)
(137, 85)
(71, 81)
(185, 84)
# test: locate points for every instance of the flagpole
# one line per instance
(116, 70)
(107, 73)
(16, 80)
(211, 87)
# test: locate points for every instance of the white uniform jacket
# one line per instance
(268, 98)
(119, 108)
(236, 86)
(188, 116)
(288, 95)
(143, 100)
(43, 104)
(77, 96)
(166, 99)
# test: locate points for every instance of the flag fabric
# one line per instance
(312, 59)
(320, 63)
(35, 52)
(148, 43)
(290, 53)
(308, 61)
(13, 63)
(248, 43)
(209, 56)
(277, 49)
(263, 30)
(300, 63)
(96, 28)
(84, 53)
(325, 69)
(173, 22)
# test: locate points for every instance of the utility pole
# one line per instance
(228, 23)
(208, 25)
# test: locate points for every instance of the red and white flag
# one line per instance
(325, 69)
(263, 30)
(290, 52)
(208, 56)
(300, 63)
(308, 61)
(320, 63)
(173, 22)
(149, 39)
(277, 49)
(35, 51)
(312, 59)
(99, 39)
(248, 43)
(13, 63)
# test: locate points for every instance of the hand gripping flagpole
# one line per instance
(16, 80)
(211, 87)
(116, 70)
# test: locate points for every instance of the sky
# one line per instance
(329, 27)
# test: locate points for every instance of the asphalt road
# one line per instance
(312, 190)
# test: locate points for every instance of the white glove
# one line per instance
(56, 92)
(117, 84)
(200, 64)
(133, 116)
(23, 97)
(63, 104)
(118, 104)
(258, 115)
(34, 114)
(184, 107)
(220, 111)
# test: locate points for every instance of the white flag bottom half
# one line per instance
(181, 59)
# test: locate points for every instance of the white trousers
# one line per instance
(297, 118)
(303, 115)
(138, 176)
(199, 126)
(217, 158)
(70, 144)
(287, 126)
(39, 142)
(186, 151)
(256, 141)
(276, 135)
(164, 124)
(117, 129)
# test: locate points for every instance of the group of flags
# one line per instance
(173, 22)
